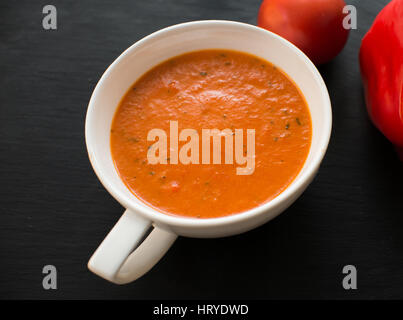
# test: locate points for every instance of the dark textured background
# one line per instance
(54, 211)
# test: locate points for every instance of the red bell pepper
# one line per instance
(381, 60)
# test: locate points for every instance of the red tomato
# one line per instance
(314, 26)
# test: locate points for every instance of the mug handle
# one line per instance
(115, 260)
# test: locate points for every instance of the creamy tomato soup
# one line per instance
(212, 89)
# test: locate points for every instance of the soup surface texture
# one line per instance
(212, 89)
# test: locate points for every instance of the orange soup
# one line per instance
(211, 89)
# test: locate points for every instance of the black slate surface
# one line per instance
(54, 211)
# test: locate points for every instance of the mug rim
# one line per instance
(188, 222)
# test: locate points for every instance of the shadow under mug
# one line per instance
(120, 258)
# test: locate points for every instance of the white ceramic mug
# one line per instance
(115, 259)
